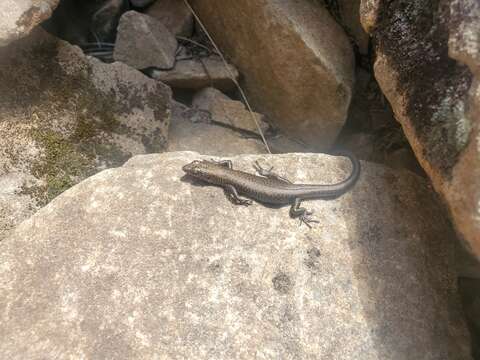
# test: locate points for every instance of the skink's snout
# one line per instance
(191, 168)
(186, 168)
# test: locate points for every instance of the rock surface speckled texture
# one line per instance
(296, 61)
(65, 116)
(422, 49)
(137, 263)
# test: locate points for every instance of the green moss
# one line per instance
(85, 137)
(84, 130)
(65, 162)
(85, 141)
(61, 167)
(98, 115)
(68, 160)
(58, 184)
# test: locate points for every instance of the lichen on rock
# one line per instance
(427, 65)
(74, 114)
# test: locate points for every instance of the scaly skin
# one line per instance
(269, 188)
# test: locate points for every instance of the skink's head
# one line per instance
(199, 168)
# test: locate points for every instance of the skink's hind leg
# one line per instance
(303, 214)
(268, 173)
(232, 195)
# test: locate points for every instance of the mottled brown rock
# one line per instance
(135, 262)
(144, 42)
(174, 14)
(19, 17)
(296, 61)
(463, 192)
(435, 97)
(65, 116)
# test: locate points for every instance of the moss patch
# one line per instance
(48, 86)
(65, 162)
(36, 88)
(60, 167)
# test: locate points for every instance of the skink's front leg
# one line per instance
(303, 214)
(232, 195)
(226, 163)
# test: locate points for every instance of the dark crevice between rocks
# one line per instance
(469, 289)
(371, 130)
(333, 7)
(86, 22)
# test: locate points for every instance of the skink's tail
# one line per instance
(350, 181)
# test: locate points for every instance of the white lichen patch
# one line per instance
(69, 305)
(144, 339)
(463, 126)
(118, 233)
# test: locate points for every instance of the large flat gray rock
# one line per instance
(134, 263)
